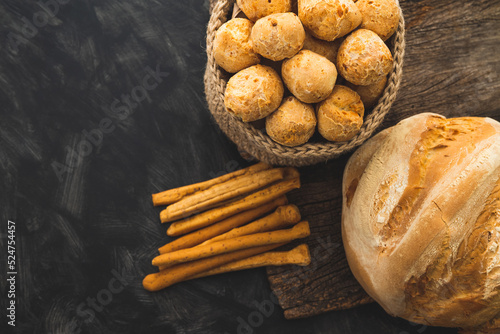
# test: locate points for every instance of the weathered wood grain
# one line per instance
(452, 67)
(326, 284)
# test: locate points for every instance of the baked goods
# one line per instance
(188, 270)
(329, 19)
(226, 191)
(421, 222)
(309, 76)
(224, 211)
(232, 46)
(340, 116)
(278, 36)
(275, 65)
(253, 93)
(256, 9)
(283, 216)
(221, 227)
(174, 195)
(299, 256)
(292, 124)
(310, 64)
(225, 236)
(323, 48)
(379, 16)
(363, 58)
(371, 93)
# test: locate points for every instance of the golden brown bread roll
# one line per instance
(340, 116)
(369, 94)
(309, 76)
(232, 46)
(421, 220)
(379, 16)
(292, 124)
(278, 36)
(324, 48)
(329, 19)
(253, 93)
(256, 9)
(364, 58)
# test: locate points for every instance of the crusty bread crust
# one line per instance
(421, 219)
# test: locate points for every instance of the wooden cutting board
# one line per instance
(452, 67)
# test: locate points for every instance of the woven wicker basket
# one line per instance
(260, 145)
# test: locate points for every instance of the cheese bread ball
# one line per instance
(340, 116)
(232, 46)
(292, 124)
(379, 16)
(369, 94)
(309, 76)
(253, 93)
(324, 48)
(275, 65)
(329, 19)
(278, 36)
(363, 58)
(256, 9)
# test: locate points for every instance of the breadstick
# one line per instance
(219, 193)
(174, 195)
(197, 237)
(291, 173)
(181, 272)
(299, 256)
(283, 217)
(248, 202)
(301, 230)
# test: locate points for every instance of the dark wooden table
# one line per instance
(102, 106)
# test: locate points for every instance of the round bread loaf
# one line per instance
(340, 116)
(363, 58)
(278, 36)
(232, 46)
(256, 9)
(329, 19)
(326, 49)
(309, 76)
(421, 220)
(292, 124)
(379, 16)
(253, 93)
(369, 94)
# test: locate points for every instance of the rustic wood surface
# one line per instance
(452, 67)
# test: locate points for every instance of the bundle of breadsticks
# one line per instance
(229, 223)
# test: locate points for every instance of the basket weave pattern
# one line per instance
(260, 145)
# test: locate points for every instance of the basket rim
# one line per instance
(259, 144)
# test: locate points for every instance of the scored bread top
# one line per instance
(421, 219)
